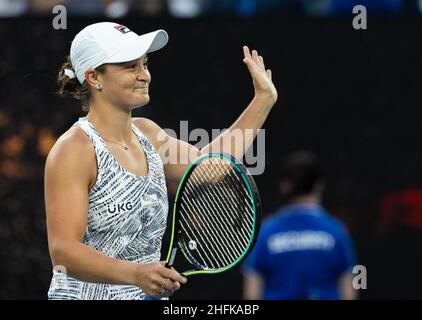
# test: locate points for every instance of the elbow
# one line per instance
(56, 252)
(59, 250)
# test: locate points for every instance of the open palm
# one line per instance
(261, 77)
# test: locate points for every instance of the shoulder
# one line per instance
(71, 143)
(333, 224)
(145, 124)
(151, 130)
(332, 220)
(73, 151)
(279, 217)
(272, 224)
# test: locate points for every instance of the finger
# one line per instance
(171, 285)
(176, 286)
(255, 56)
(156, 281)
(270, 74)
(246, 52)
(171, 274)
(252, 65)
(248, 59)
(167, 288)
(175, 276)
(261, 62)
(158, 291)
(167, 293)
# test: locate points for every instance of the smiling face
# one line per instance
(126, 84)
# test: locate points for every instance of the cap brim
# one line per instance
(134, 49)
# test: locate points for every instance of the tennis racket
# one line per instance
(216, 215)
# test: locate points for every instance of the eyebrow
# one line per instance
(128, 63)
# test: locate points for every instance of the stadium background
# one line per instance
(352, 97)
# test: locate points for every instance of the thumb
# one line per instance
(252, 67)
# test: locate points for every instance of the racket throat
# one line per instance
(172, 256)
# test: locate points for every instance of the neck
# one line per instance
(306, 199)
(112, 123)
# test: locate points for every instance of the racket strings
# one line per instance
(213, 229)
(191, 236)
(212, 234)
(213, 224)
(223, 216)
(216, 214)
(240, 190)
(235, 204)
(236, 190)
(219, 239)
(219, 219)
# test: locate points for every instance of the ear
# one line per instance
(91, 77)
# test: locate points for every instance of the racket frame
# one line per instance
(176, 241)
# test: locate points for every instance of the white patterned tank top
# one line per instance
(126, 219)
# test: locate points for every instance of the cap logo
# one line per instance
(122, 29)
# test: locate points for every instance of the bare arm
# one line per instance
(253, 286)
(177, 154)
(69, 172)
(347, 292)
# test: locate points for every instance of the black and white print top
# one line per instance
(127, 217)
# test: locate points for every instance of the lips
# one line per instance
(143, 89)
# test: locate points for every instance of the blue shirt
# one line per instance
(301, 252)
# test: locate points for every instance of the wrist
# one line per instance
(264, 100)
(131, 272)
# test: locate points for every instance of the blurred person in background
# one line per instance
(116, 9)
(13, 8)
(247, 8)
(316, 7)
(372, 6)
(185, 8)
(111, 8)
(302, 252)
(149, 8)
(45, 7)
(85, 8)
(345, 7)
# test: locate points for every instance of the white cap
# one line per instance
(108, 42)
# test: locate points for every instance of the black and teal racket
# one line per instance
(216, 215)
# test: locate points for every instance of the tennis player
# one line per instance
(105, 193)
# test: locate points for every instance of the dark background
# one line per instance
(350, 96)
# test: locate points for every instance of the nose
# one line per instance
(143, 75)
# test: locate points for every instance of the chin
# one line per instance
(141, 102)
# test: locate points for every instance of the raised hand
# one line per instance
(261, 77)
